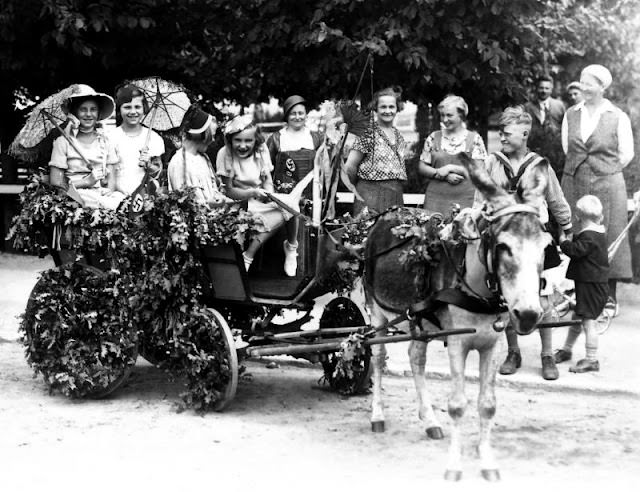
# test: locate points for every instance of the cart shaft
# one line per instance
(334, 344)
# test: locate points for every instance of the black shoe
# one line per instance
(512, 363)
(549, 369)
(562, 355)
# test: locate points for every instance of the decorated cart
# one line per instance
(169, 283)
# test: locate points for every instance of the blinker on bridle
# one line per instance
(489, 243)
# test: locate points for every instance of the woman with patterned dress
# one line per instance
(449, 183)
(376, 161)
(598, 141)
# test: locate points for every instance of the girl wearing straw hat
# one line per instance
(85, 160)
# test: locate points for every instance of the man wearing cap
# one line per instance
(547, 113)
(574, 93)
(598, 141)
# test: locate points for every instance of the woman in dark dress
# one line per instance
(292, 151)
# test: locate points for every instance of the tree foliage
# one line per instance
(251, 49)
(485, 50)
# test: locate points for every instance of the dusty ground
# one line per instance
(283, 432)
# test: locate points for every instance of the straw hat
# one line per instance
(105, 102)
(238, 124)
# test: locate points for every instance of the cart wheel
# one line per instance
(229, 392)
(118, 380)
(48, 340)
(603, 322)
(340, 312)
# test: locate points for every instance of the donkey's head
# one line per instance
(513, 243)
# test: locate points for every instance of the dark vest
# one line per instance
(600, 152)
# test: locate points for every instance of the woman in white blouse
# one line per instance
(598, 141)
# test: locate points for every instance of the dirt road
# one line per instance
(285, 433)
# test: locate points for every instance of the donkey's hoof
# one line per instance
(435, 433)
(453, 475)
(491, 475)
(377, 426)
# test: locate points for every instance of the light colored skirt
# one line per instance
(100, 198)
(271, 214)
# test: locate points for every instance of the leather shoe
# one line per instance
(562, 355)
(511, 363)
(586, 365)
(549, 369)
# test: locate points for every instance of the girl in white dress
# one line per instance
(245, 167)
(190, 166)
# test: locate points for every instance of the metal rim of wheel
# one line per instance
(355, 318)
(230, 346)
(603, 322)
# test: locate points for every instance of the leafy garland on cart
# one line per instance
(151, 294)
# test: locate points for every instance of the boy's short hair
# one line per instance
(515, 115)
(590, 207)
(545, 77)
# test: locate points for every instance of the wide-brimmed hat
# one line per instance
(290, 102)
(238, 124)
(105, 102)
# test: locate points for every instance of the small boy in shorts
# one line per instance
(589, 269)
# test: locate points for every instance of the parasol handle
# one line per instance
(154, 110)
(613, 247)
(67, 137)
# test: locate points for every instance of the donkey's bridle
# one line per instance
(489, 239)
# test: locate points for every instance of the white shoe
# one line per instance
(247, 262)
(290, 258)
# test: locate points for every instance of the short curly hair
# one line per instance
(394, 91)
(590, 207)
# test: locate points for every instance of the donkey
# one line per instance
(496, 275)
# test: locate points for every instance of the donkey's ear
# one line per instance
(482, 181)
(533, 184)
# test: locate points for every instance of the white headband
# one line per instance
(206, 125)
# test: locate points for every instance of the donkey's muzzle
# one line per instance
(526, 321)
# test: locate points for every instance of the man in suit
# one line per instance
(547, 113)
